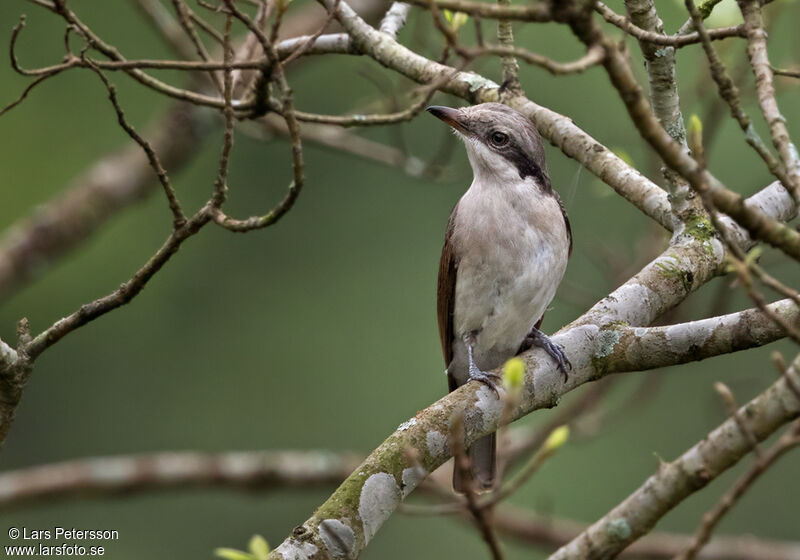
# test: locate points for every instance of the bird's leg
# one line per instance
(475, 374)
(538, 338)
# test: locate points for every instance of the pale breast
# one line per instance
(512, 248)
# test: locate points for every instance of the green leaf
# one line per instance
(258, 547)
(233, 554)
(456, 20)
(753, 255)
(459, 19)
(513, 375)
(557, 438)
(695, 139)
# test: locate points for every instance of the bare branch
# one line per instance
(664, 98)
(539, 12)
(675, 481)
(788, 441)
(757, 52)
(558, 129)
(679, 40)
(395, 18)
(178, 218)
(114, 182)
(109, 476)
(759, 225)
(548, 531)
(730, 93)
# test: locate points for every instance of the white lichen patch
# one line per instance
(411, 478)
(681, 338)
(338, 538)
(437, 443)
(292, 549)
(477, 82)
(619, 529)
(490, 405)
(238, 464)
(407, 424)
(635, 300)
(112, 470)
(7, 354)
(173, 466)
(379, 498)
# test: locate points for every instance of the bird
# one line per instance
(505, 252)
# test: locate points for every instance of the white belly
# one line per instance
(513, 251)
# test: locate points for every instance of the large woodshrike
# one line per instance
(505, 251)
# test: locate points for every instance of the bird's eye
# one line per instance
(498, 139)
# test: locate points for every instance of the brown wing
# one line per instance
(566, 221)
(446, 291)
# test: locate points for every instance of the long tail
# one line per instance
(483, 465)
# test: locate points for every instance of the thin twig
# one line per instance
(178, 217)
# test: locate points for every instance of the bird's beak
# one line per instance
(451, 116)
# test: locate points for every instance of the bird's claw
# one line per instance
(555, 351)
(487, 378)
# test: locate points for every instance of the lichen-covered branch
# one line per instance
(664, 98)
(547, 531)
(259, 471)
(788, 441)
(395, 18)
(367, 498)
(101, 476)
(638, 348)
(693, 470)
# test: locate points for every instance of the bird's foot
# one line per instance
(487, 378)
(555, 351)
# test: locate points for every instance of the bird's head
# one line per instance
(502, 145)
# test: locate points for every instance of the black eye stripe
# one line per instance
(526, 167)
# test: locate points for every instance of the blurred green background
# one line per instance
(320, 332)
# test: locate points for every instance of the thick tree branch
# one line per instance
(547, 531)
(103, 476)
(788, 441)
(258, 471)
(693, 470)
(637, 348)
(367, 498)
